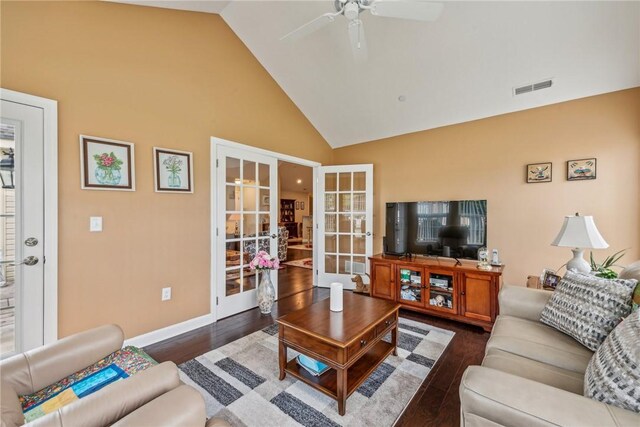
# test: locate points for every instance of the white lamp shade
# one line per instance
(580, 232)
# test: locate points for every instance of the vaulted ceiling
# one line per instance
(462, 67)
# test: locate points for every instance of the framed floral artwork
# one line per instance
(581, 169)
(173, 170)
(106, 164)
(539, 172)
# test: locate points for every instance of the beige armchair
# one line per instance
(155, 396)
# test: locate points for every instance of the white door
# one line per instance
(345, 223)
(22, 221)
(247, 196)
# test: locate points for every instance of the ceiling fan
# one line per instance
(417, 10)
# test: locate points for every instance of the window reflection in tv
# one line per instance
(456, 228)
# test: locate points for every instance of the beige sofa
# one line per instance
(532, 374)
(153, 397)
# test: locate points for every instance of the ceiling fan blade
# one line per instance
(417, 10)
(310, 27)
(358, 42)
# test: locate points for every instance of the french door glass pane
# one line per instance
(249, 198)
(7, 239)
(249, 225)
(345, 202)
(344, 223)
(344, 245)
(263, 175)
(330, 202)
(359, 244)
(330, 223)
(249, 173)
(263, 225)
(232, 197)
(330, 243)
(233, 170)
(330, 182)
(233, 281)
(265, 200)
(345, 181)
(330, 262)
(359, 181)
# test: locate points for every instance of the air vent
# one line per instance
(531, 87)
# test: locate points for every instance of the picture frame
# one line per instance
(172, 170)
(581, 169)
(106, 164)
(301, 206)
(550, 279)
(266, 200)
(297, 205)
(539, 172)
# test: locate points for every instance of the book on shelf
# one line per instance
(314, 367)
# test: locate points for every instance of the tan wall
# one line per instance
(486, 159)
(154, 77)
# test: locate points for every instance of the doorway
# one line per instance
(295, 228)
(28, 222)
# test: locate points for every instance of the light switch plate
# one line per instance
(95, 223)
(166, 294)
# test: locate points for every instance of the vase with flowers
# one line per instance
(263, 263)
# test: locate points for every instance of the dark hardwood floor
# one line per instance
(292, 280)
(436, 403)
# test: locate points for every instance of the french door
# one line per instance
(247, 198)
(345, 223)
(22, 227)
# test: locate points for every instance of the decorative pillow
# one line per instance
(587, 307)
(613, 374)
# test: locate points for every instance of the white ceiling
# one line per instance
(462, 67)
(290, 173)
(207, 6)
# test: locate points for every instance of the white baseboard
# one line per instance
(170, 331)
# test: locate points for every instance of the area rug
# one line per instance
(304, 263)
(301, 247)
(239, 382)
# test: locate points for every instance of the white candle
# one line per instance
(336, 297)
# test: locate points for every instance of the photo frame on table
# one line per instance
(539, 172)
(581, 169)
(172, 170)
(550, 279)
(106, 164)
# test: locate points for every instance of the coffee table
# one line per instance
(350, 342)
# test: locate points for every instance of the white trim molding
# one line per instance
(170, 331)
(50, 112)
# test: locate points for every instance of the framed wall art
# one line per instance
(539, 172)
(172, 170)
(106, 164)
(581, 169)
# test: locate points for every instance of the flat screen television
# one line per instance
(453, 228)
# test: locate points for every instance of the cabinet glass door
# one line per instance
(441, 291)
(410, 285)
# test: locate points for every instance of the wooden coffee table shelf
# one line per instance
(350, 342)
(357, 373)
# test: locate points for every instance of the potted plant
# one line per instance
(604, 269)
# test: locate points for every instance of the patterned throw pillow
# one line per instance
(613, 374)
(587, 307)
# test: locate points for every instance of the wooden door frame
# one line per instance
(50, 115)
(220, 142)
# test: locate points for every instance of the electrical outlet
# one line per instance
(166, 294)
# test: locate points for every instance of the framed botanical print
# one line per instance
(539, 172)
(581, 169)
(173, 170)
(106, 164)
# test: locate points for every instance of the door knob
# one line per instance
(31, 241)
(273, 236)
(368, 233)
(30, 260)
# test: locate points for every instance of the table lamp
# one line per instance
(579, 232)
